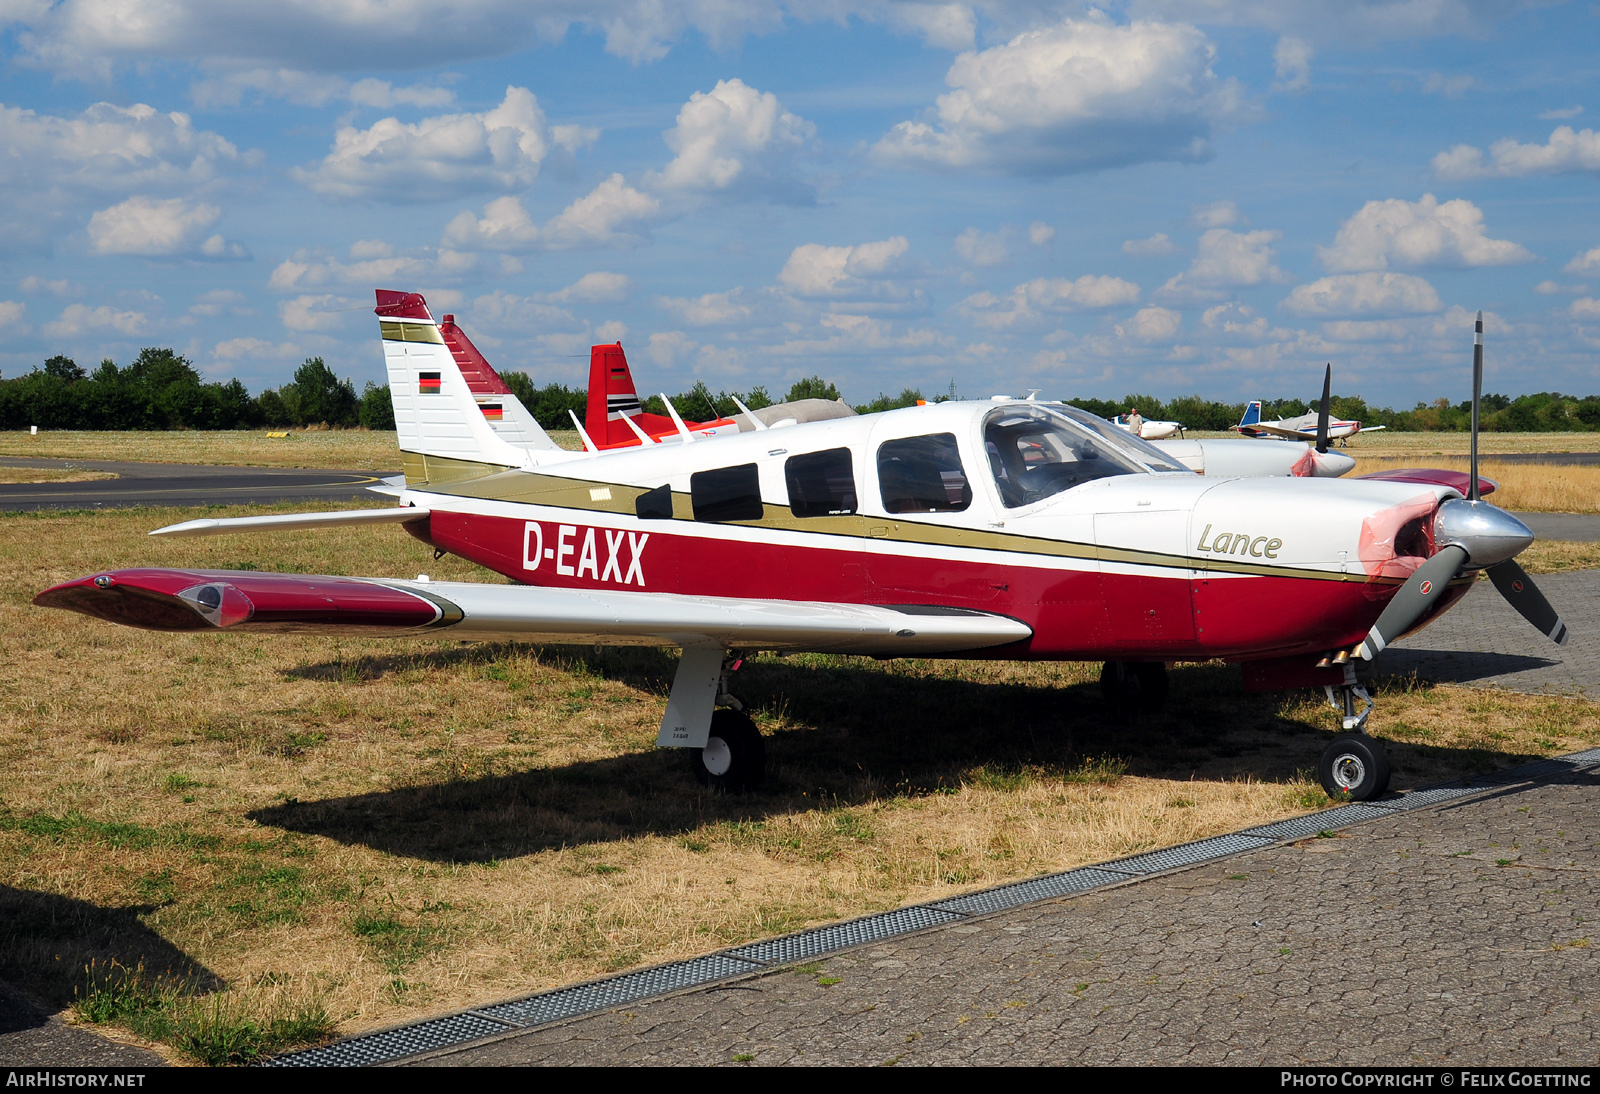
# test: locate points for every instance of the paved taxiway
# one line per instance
(180, 484)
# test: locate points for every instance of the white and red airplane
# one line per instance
(1305, 427)
(1004, 529)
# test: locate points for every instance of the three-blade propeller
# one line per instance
(1470, 532)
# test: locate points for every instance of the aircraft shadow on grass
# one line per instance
(49, 940)
(857, 736)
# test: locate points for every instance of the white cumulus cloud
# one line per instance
(78, 319)
(734, 138)
(314, 312)
(1584, 263)
(599, 287)
(1042, 295)
(1585, 307)
(982, 248)
(110, 148)
(1357, 294)
(713, 309)
(1418, 233)
(1291, 62)
(817, 270)
(312, 89)
(1224, 260)
(1215, 214)
(1078, 96)
(1155, 245)
(1566, 151)
(439, 157)
(1040, 233)
(1152, 324)
(156, 227)
(599, 218)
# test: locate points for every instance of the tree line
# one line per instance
(162, 389)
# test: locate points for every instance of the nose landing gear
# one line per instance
(1354, 767)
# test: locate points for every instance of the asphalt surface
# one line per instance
(31, 1038)
(1458, 935)
(145, 484)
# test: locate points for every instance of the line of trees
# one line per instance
(162, 390)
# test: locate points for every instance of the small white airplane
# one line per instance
(1003, 529)
(1311, 426)
(1149, 428)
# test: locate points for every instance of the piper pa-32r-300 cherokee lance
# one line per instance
(1001, 529)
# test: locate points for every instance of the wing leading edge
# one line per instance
(189, 600)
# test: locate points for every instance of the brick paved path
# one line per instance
(1457, 935)
(1481, 641)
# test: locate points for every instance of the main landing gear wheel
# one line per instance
(735, 757)
(1134, 687)
(1354, 768)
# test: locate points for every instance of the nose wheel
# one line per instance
(1354, 768)
(734, 758)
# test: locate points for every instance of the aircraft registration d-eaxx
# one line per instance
(1004, 529)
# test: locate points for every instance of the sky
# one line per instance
(1172, 197)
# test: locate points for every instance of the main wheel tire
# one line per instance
(735, 757)
(1354, 768)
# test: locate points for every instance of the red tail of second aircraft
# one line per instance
(612, 395)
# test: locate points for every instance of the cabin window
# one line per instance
(821, 484)
(923, 475)
(1034, 454)
(654, 504)
(726, 493)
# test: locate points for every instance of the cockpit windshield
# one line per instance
(1121, 439)
(1034, 454)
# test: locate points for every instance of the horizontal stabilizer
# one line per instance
(283, 522)
(182, 600)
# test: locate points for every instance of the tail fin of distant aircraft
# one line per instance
(441, 425)
(501, 409)
(1252, 414)
(612, 396)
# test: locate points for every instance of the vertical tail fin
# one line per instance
(1252, 414)
(440, 425)
(501, 409)
(612, 397)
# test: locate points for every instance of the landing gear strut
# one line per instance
(734, 758)
(1354, 767)
(1134, 687)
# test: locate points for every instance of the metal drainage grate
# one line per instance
(394, 1044)
(1187, 854)
(872, 928)
(1312, 823)
(553, 1006)
(1538, 770)
(1416, 799)
(1026, 892)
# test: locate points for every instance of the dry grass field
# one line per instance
(10, 475)
(296, 836)
(345, 449)
(1529, 487)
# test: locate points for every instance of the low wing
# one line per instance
(282, 522)
(194, 600)
(1273, 429)
(1435, 476)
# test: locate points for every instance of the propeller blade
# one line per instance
(1523, 595)
(1415, 597)
(1322, 410)
(1477, 400)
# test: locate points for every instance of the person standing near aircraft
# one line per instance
(1135, 422)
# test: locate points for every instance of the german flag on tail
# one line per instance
(493, 411)
(428, 383)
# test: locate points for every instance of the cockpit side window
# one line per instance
(726, 493)
(923, 475)
(821, 484)
(1034, 455)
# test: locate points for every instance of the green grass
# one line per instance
(211, 1029)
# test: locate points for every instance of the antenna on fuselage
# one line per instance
(582, 434)
(644, 438)
(683, 430)
(757, 422)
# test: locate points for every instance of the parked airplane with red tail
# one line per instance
(1000, 529)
